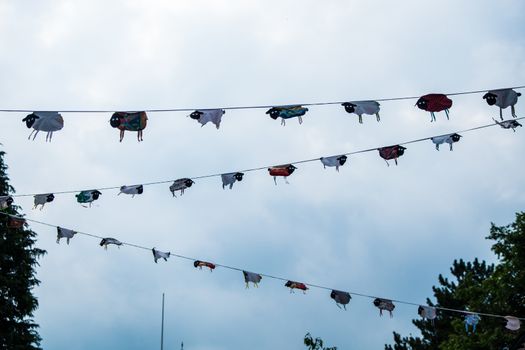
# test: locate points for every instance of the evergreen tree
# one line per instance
(315, 344)
(495, 289)
(18, 259)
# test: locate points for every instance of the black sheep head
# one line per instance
(400, 150)
(349, 107)
(274, 112)
(140, 189)
(196, 115)
(422, 103)
(342, 159)
(30, 120)
(95, 194)
(50, 197)
(491, 98)
(515, 124)
(333, 294)
(196, 263)
(9, 201)
(455, 137)
(291, 168)
(377, 302)
(420, 311)
(288, 284)
(238, 176)
(116, 119)
(188, 182)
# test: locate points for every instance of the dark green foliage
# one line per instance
(18, 259)
(315, 344)
(494, 289)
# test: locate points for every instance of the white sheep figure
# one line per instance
(255, 278)
(132, 190)
(428, 312)
(363, 107)
(204, 116)
(42, 199)
(513, 323)
(332, 161)
(65, 233)
(230, 178)
(157, 254)
(450, 139)
(503, 98)
(5, 202)
(508, 124)
(44, 121)
(107, 241)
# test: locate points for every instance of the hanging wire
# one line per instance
(266, 167)
(20, 110)
(313, 285)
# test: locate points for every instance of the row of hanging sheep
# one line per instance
(341, 298)
(136, 121)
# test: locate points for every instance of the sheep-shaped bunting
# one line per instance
(513, 323)
(42, 199)
(15, 223)
(508, 124)
(296, 285)
(157, 254)
(384, 304)
(503, 98)
(65, 233)
(5, 202)
(332, 161)
(201, 264)
(180, 185)
(204, 116)
(108, 240)
(44, 121)
(362, 107)
(391, 152)
(428, 312)
(88, 196)
(281, 170)
(434, 103)
(130, 121)
(450, 139)
(255, 278)
(132, 190)
(471, 320)
(340, 298)
(287, 112)
(230, 178)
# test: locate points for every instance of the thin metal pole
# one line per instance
(162, 326)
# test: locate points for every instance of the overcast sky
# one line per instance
(386, 231)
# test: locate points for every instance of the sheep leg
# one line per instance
(300, 120)
(286, 180)
(501, 113)
(36, 133)
(513, 111)
(121, 135)
(32, 131)
(446, 112)
(275, 180)
(395, 160)
(377, 117)
(360, 119)
(283, 122)
(437, 146)
(451, 146)
(387, 163)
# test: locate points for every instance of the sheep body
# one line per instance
(427, 312)
(384, 304)
(44, 121)
(5, 202)
(255, 278)
(434, 103)
(508, 124)
(88, 196)
(503, 98)
(287, 112)
(450, 139)
(332, 161)
(296, 285)
(513, 323)
(363, 107)
(180, 185)
(157, 254)
(108, 240)
(340, 298)
(281, 170)
(204, 116)
(130, 121)
(230, 178)
(65, 233)
(132, 190)
(42, 199)
(391, 152)
(201, 264)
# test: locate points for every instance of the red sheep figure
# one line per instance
(296, 285)
(281, 170)
(391, 152)
(131, 121)
(434, 103)
(200, 264)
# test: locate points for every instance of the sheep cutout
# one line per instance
(157, 254)
(5, 202)
(65, 233)
(132, 190)
(180, 185)
(255, 278)
(434, 103)
(230, 178)
(296, 285)
(287, 112)
(450, 139)
(281, 170)
(44, 121)
(130, 121)
(204, 116)
(42, 199)
(384, 304)
(508, 124)
(513, 323)
(201, 264)
(107, 241)
(88, 197)
(471, 320)
(503, 98)
(428, 312)
(336, 161)
(391, 152)
(15, 223)
(362, 107)
(340, 298)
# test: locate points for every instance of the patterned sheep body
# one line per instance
(281, 170)
(204, 116)
(42, 199)
(391, 152)
(130, 121)
(44, 121)
(508, 124)
(88, 196)
(340, 298)
(287, 113)
(471, 320)
(65, 233)
(363, 107)
(180, 185)
(201, 264)
(296, 285)
(503, 98)
(450, 139)
(384, 304)
(334, 161)
(434, 103)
